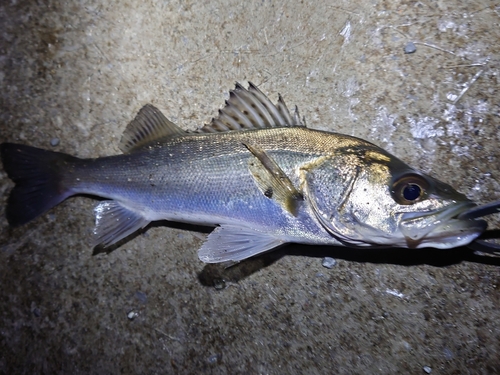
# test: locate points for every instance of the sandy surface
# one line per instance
(78, 71)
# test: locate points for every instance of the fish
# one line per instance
(257, 174)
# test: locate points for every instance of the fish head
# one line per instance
(368, 197)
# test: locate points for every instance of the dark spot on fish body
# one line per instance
(151, 179)
(269, 192)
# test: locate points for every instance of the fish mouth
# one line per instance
(444, 228)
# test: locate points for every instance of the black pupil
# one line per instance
(412, 192)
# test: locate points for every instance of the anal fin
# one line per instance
(114, 222)
(233, 243)
(272, 181)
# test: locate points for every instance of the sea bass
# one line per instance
(257, 174)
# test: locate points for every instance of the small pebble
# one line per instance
(132, 315)
(219, 284)
(410, 47)
(427, 369)
(54, 142)
(328, 262)
(213, 359)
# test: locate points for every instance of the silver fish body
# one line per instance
(257, 174)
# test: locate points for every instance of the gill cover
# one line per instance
(333, 192)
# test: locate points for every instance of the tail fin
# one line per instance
(37, 175)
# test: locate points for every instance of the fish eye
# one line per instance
(412, 192)
(409, 189)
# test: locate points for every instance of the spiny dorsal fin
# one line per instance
(149, 126)
(251, 109)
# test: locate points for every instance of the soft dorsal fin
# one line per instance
(251, 109)
(149, 126)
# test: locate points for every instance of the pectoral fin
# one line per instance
(272, 181)
(234, 243)
(114, 222)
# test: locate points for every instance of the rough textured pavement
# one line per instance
(74, 73)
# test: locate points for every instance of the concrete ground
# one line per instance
(74, 73)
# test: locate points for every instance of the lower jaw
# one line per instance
(448, 242)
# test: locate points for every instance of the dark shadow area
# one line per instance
(490, 234)
(396, 256)
(217, 274)
(182, 226)
(155, 224)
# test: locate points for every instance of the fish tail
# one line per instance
(37, 175)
